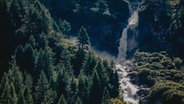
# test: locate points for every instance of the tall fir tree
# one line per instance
(28, 96)
(65, 27)
(83, 39)
(84, 88)
(62, 100)
(96, 87)
(78, 101)
(43, 92)
(106, 97)
(65, 60)
(8, 96)
(46, 62)
(72, 90)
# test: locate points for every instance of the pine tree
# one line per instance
(46, 62)
(28, 84)
(27, 63)
(115, 85)
(83, 39)
(89, 63)
(62, 80)
(43, 93)
(28, 80)
(83, 87)
(96, 87)
(102, 72)
(78, 101)
(72, 90)
(8, 96)
(62, 100)
(65, 27)
(106, 97)
(65, 60)
(15, 75)
(83, 48)
(28, 96)
(21, 97)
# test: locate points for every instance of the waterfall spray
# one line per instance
(127, 89)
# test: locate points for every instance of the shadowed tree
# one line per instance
(62, 100)
(78, 101)
(8, 96)
(43, 92)
(83, 39)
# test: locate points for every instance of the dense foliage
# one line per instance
(104, 19)
(163, 73)
(161, 26)
(40, 66)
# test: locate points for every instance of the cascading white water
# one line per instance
(127, 89)
(132, 23)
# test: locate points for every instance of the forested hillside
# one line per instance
(52, 51)
(39, 66)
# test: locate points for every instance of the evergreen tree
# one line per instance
(96, 87)
(28, 96)
(83, 39)
(4, 80)
(28, 80)
(62, 81)
(83, 48)
(32, 41)
(102, 72)
(114, 92)
(15, 76)
(19, 56)
(62, 100)
(65, 60)
(89, 63)
(46, 62)
(84, 86)
(43, 93)
(21, 97)
(106, 97)
(65, 27)
(28, 84)
(26, 58)
(78, 101)
(72, 90)
(8, 96)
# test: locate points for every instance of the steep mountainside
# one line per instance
(161, 26)
(104, 19)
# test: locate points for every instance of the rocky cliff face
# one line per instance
(161, 25)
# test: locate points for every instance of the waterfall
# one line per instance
(127, 90)
(132, 23)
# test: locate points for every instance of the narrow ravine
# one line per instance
(128, 90)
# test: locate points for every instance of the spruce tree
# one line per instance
(62, 100)
(83, 39)
(8, 95)
(28, 96)
(83, 87)
(46, 62)
(96, 87)
(78, 101)
(65, 27)
(21, 97)
(43, 93)
(72, 90)
(65, 60)
(106, 97)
